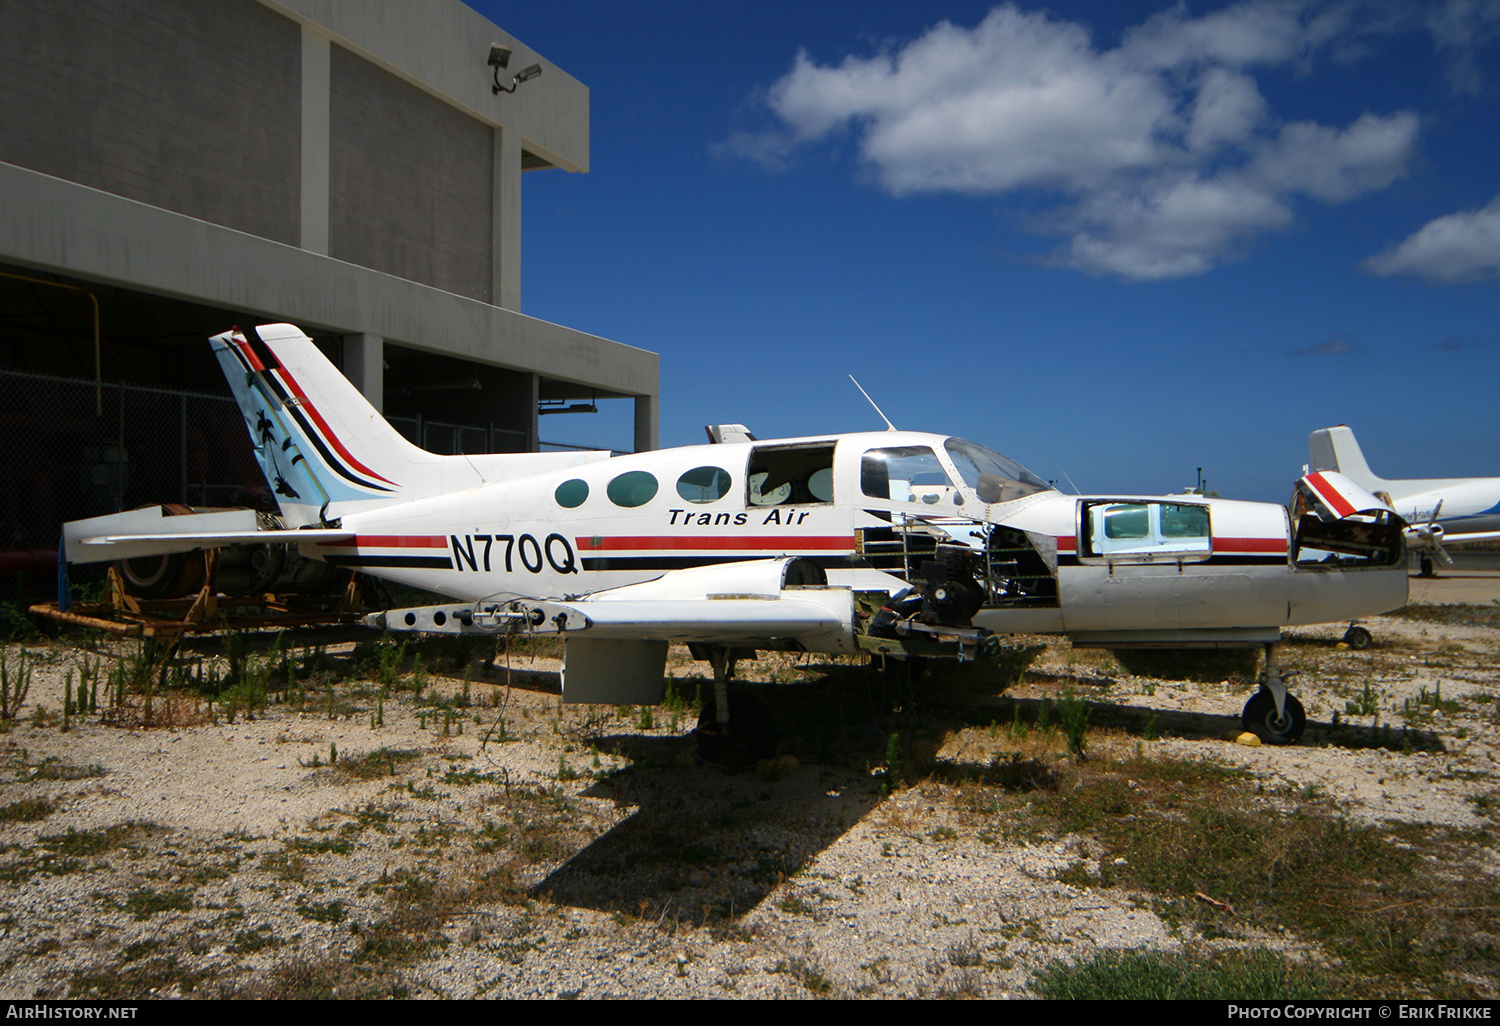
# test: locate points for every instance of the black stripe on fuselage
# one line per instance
(425, 562)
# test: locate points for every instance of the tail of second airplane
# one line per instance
(1335, 449)
(324, 449)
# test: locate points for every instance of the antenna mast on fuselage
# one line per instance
(888, 425)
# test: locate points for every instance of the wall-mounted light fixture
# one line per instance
(500, 58)
(563, 406)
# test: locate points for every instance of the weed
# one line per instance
(891, 773)
(966, 954)
(320, 845)
(1368, 703)
(249, 941)
(80, 843)
(28, 810)
(327, 912)
(1457, 614)
(380, 763)
(810, 973)
(1074, 713)
(144, 902)
(15, 682)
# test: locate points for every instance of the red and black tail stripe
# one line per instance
(260, 362)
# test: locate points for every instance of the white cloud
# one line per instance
(1456, 248)
(1336, 165)
(1461, 29)
(1020, 99)
(1161, 156)
(1173, 229)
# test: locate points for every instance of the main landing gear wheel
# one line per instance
(1358, 638)
(1260, 719)
(748, 737)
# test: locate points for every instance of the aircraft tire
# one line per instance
(1358, 638)
(751, 736)
(1259, 718)
(162, 577)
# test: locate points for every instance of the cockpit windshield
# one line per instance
(993, 477)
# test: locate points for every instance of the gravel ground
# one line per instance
(582, 853)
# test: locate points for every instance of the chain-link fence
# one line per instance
(458, 439)
(69, 450)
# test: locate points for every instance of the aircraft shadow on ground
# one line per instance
(706, 845)
(1152, 723)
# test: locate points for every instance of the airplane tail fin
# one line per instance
(324, 449)
(1335, 449)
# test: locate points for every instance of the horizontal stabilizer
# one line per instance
(1333, 496)
(150, 532)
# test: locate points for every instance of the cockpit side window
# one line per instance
(907, 473)
(797, 475)
(994, 478)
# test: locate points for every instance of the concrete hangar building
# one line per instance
(170, 168)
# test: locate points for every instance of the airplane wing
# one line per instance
(152, 532)
(617, 639)
(752, 600)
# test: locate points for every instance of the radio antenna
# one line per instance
(888, 425)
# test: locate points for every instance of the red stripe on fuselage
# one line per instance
(778, 543)
(1271, 545)
(390, 541)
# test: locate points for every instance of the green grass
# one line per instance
(1152, 976)
(1402, 924)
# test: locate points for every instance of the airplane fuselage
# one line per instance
(870, 509)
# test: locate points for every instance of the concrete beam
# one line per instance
(505, 259)
(315, 128)
(364, 366)
(647, 427)
(55, 225)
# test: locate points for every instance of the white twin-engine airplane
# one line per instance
(898, 543)
(1455, 510)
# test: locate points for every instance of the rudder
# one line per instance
(324, 449)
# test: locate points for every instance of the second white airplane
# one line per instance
(1441, 511)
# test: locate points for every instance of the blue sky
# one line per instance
(1115, 241)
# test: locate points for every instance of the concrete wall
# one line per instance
(409, 180)
(216, 104)
(442, 47)
(340, 164)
